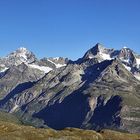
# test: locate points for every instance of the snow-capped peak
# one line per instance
(127, 55)
(98, 48)
(19, 52)
(22, 51)
(19, 56)
(98, 51)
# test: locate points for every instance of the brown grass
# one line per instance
(9, 131)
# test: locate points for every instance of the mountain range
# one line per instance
(99, 90)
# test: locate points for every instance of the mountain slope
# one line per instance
(11, 131)
(95, 92)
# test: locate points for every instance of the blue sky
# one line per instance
(68, 28)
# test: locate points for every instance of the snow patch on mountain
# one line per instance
(125, 47)
(137, 76)
(23, 53)
(138, 62)
(90, 57)
(125, 60)
(14, 108)
(127, 67)
(105, 56)
(102, 55)
(4, 69)
(42, 68)
(57, 65)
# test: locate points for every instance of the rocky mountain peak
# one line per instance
(22, 53)
(21, 50)
(125, 52)
(19, 56)
(99, 52)
(127, 56)
(98, 47)
(95, 50)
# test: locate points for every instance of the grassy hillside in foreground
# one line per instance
(7, 117)
(11, 131)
